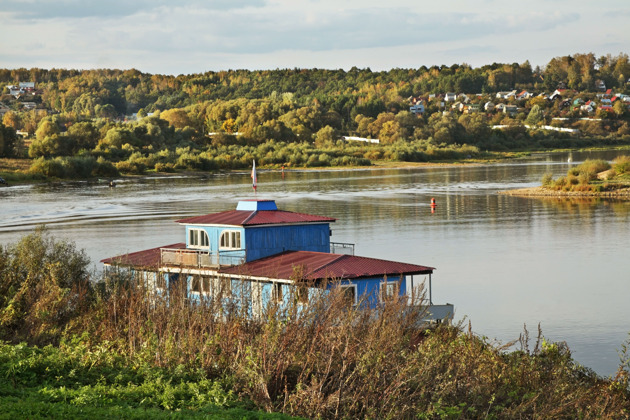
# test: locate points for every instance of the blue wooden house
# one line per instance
(262, 254)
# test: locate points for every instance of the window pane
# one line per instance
(204, 238)
(277, 291)
(206, 284)
(196, 284)
(349, 295)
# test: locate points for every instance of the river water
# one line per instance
(502, 261)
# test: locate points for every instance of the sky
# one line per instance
(194, 36)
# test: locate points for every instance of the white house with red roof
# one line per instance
(271, 254)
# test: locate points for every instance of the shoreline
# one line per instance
(622, 193)
(380, 165)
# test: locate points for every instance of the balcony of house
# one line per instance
(341, 248)
(192, 258)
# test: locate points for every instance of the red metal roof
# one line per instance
(148, 258)
(321, 265)
(253, 218)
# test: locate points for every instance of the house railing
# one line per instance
(342, 248)
(192, 258)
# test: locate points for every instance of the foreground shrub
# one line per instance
(44, 289)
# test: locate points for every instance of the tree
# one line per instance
(620, 108)
(13, 120)
(178, 118)
(390, 132)
(105, 111)
(84, 134)
(535, 116)
(8, 140)
(46, 128)
(325, 136)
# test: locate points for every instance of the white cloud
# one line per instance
(196, 35)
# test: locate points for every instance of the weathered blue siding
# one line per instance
(270, 240)
(370, 289)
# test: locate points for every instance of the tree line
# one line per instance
(207, 121)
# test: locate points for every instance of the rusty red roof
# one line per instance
(253, 218)
(148, 258)
(322, 265)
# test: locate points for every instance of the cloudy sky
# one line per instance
(192, 36)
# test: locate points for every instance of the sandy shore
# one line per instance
(623, 193)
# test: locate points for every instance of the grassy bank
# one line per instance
(592, 178)
(109, 343)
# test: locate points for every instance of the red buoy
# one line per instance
(433, 203)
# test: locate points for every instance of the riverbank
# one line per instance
(622, 193)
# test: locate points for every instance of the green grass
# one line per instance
(77, 381)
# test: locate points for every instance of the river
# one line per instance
(502, 261)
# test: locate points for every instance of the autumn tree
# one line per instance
(46, 128)
(8, 140)
(12, 119)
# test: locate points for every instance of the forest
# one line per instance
(106, 122)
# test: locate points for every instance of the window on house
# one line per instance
(198, 238)
(349, 293)
(277, 292)
(196, 284)
(160, 282)
(226, 288)
(201, 285)
(230, 239)
(389, 290)
(302, 294)
(205, 284)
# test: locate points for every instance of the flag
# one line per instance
(254, 180)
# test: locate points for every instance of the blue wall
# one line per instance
(269, 240)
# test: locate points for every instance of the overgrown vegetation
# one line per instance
(593, 176)
(111, 346)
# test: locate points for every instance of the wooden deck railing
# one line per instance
(192, 258)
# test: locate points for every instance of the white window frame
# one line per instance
(198, 238)
(277, 292)
(230, 239)
(351, 286)
(385, 288)
(204, 283)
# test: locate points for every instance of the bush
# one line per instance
(621, 165)
(105, 169)
(45, 288)
(590, 168)
(136, 167)
(51, 168)
(164, 167)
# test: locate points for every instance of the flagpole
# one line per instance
(254, 179)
